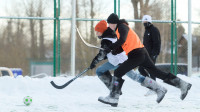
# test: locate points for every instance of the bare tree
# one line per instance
(197, 30)
(9, 29)
(140, 7)
(31, 13)
(41, 31)
(92, 14)
(80, 57)
(160, 10)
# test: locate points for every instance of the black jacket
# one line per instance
(109, 33)
(151, 40)
(123, 30)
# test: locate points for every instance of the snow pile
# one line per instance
(82, 94)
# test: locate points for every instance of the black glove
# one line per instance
(117, 51)
(107, 49)
(93, 64)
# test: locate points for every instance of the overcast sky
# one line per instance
(182, 8)
(7, 6)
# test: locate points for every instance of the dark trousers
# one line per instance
(140, 57)
(144, 72)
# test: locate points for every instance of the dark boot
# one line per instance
(106, 78)
(113, 97)
(179, 83)
(154, 86)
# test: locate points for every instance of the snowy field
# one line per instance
(82, 94)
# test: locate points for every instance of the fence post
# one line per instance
(54, 41)
(73, 38)
(58, 36)
(119, 8)
(115, 7)
(175, 36)
(189, 38)
(172, 36)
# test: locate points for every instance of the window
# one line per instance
(5, 73)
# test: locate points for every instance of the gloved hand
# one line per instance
(93, 64)
(117, 51)
(107, 49)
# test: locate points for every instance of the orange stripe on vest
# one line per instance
(132, 41)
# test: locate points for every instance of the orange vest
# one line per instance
(132, 41)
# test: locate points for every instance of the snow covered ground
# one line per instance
(82, 94)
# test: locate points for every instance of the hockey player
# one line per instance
(108, 37)
(137, 56)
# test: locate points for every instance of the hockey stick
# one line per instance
(87, 44)
(67, 83)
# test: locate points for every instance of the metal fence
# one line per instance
(44, 31)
